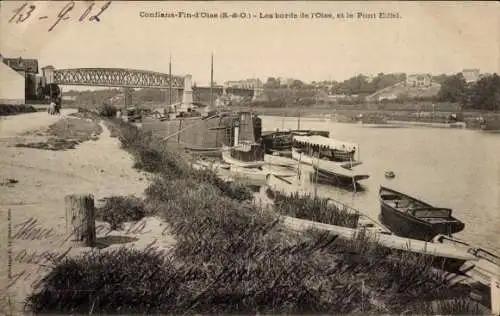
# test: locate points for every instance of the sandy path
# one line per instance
(17, 124)
(44, 178)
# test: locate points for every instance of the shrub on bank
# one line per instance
(121, 280)
(121, 209)
(14, 109)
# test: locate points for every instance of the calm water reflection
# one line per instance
(459, 169)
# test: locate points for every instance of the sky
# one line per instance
(427, 37)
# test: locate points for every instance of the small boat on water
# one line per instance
(280, 142)
(390, 174)
(332, 160)
(309, 149)
(409, 217)
(337, 175)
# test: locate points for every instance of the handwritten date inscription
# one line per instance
(25, 12)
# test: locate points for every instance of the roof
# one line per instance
(325, 141)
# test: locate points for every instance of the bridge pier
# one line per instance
(187, 95)
(257, 92)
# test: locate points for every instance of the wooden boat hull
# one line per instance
(405, 225)
(450, 256)
(257, 176)
(227, 158)
(340, 177)
(280, 161)
(207, 152)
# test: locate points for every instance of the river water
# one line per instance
(454, 168)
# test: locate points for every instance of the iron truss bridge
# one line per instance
(116, 77)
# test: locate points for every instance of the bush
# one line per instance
(108, 110)
(10, 109)
(120, 209)
(313, 209)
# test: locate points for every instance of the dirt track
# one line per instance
(44, 178)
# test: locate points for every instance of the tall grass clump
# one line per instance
(124, 281)
(395, 279)
(121, 209)
(132, 281)
(455, 306)
(313, 208)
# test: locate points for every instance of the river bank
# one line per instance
(231, 255)
(34, 182)
(424, 118)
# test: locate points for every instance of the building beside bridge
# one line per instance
(12, 82)
(252, 83)
(28, 77)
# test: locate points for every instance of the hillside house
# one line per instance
(419, 80)
(471, 75)
(245, 84)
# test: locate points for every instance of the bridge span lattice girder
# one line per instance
(116, 77)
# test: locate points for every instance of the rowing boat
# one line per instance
(409, 217)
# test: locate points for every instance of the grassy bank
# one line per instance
(231, 256)
(67, 132)
(10, 109)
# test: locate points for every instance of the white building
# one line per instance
(286, 81)
(419, 80)
(251, 83)
(11, 85)
(471, 75)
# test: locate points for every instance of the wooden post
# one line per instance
(495, 296)
(179, 131)
(80, 218)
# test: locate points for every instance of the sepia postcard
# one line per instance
(250, 157)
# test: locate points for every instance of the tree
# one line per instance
(453, 89)
(297, 84)
(485, 94)
(271, 83)
(440, 78)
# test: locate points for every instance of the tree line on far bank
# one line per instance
(483, 94)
